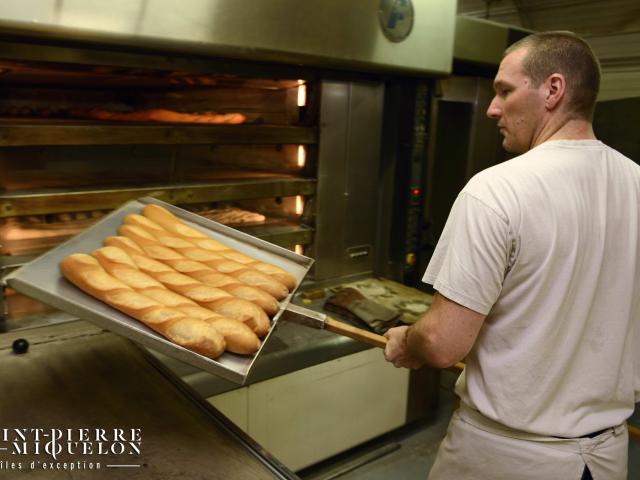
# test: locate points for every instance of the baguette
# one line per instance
(215, 299)
(276, 272)
(172, 224)
(123, 243)
(247, 275)
(147, 233)
(207, 275)
(155, 248)
(86, 273)
(239, 338)
(161, 115)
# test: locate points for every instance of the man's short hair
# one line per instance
(568, 54)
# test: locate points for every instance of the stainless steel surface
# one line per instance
(299, 341)
(292, 347)
(463, 142)
(9, 262)
(304, 316)
(42, 280)
(91, 379)
(458, 89)
(284, 235)
(483, 138)
(481, 41)
(13, 48)
(348, 177)
(314, 32)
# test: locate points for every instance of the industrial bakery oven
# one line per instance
(302, 125)
(81, 139)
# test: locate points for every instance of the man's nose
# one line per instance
(494, 111)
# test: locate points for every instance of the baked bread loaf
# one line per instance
(173, 225)
(86, 273)
(232, 216)
(239, 338)
(213, 298)
(160, 115)
(200, 271)
(167, 248)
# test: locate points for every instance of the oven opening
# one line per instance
(81, 140)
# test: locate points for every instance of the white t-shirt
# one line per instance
(548, 246)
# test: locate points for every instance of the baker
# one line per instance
(537, 279)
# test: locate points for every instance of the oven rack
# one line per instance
(23, 202)
(280, 232)
(16, 133)
(283, 233)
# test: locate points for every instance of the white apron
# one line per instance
(477, 448)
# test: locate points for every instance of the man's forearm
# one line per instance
(424, 345)
(445, 334)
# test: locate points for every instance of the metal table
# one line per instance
(111, 404)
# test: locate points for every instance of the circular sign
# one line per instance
(396, 19)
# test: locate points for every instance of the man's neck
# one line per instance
(572, 129)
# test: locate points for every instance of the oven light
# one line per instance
(299, 205)
(302, 155)
(302, 93)
(299, 249)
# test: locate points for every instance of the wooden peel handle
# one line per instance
(359, 334)
(369, 338)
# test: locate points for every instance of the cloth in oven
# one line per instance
(351, 303)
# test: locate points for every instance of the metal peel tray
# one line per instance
(41, 279)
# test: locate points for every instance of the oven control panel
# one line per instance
(417, 178)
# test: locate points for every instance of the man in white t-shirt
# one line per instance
(537, 279)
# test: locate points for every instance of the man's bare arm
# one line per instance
(441, 338)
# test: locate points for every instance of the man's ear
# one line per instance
(556, 89)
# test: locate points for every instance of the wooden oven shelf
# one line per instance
(21, 133)
(37, 203)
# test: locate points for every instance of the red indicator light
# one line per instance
(416, 191)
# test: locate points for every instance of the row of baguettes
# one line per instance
(212, 298)
(206, 266)
(194, 292)
(85, 272)
(169, 222)
(240, 333)
(111, 276)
